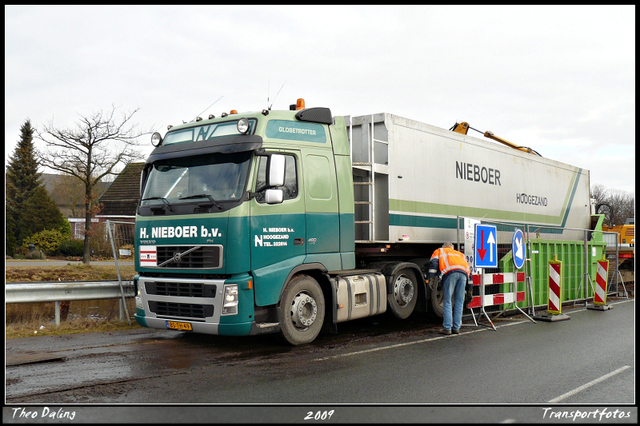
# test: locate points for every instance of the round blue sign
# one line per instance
(518, 249)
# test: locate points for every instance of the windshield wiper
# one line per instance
(213, 202)
(164, 200)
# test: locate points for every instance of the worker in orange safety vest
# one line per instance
(456, 279)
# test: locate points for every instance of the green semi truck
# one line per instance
(294, 221)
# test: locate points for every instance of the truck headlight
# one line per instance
(156, 139)
(243, 125)
(138, 297)
(230, 299)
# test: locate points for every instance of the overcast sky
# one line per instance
(559, 79)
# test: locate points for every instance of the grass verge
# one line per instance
(38, 319)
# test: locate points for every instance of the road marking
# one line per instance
(591, 383)
(399, 345)
(382, 348)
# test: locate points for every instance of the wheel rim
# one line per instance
(439, 295)
(304, 310)
(403, 290)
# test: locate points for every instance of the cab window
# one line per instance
(290, 187)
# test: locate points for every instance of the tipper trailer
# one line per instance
(294, 221)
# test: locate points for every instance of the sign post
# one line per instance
(485, 254)
(469, 242)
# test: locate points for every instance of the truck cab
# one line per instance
(241, 220)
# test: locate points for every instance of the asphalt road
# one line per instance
(370, 372)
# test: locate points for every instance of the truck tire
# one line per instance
(301, 310)
(437, 297)
(404, 293)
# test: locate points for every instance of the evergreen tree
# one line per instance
(40, 212)
(22, 179)
(10, 230)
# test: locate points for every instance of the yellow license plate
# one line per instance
(175, 325)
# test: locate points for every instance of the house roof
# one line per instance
(68, 191)
(122, 197)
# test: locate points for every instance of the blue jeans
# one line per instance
(453, 285)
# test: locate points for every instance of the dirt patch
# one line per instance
(67, 273)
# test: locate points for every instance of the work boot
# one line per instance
(454, 331)
(444, 331)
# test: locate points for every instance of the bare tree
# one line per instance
(98, 145)
(616, 205)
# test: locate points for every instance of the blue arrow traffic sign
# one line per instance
(486, 247)
(518, 249)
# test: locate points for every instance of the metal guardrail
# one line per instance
(67, 291)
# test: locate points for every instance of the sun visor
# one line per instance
(315, 115)
(222, 145)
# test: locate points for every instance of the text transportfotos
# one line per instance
(597, 414)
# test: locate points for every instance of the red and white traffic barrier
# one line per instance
(511, 297)
(555, 287)
(485, 300)
(554, 306)
(600, 295)
(600, 292)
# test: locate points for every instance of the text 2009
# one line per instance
(319, 415)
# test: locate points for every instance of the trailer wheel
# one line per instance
(301, 310)
(404, 293)
(437, 297)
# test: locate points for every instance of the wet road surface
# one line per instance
(376, 360)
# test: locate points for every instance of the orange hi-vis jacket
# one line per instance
(447, 260)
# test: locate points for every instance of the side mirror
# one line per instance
(276, 170)
(274, 196)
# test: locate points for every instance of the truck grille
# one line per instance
(187, 310)
(202, 257)
(181, 289)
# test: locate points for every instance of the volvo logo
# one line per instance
(177, 256)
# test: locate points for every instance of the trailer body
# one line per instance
(425, 177)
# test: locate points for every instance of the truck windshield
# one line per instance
(219, 177)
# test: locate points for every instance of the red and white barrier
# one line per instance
(554, 306)
(485, 300)
(555, 287)
(600, 295)
(512, 297)
(600, 292)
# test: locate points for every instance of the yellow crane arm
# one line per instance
(464, 127)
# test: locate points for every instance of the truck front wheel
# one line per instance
(404, 293)
(301, 310)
